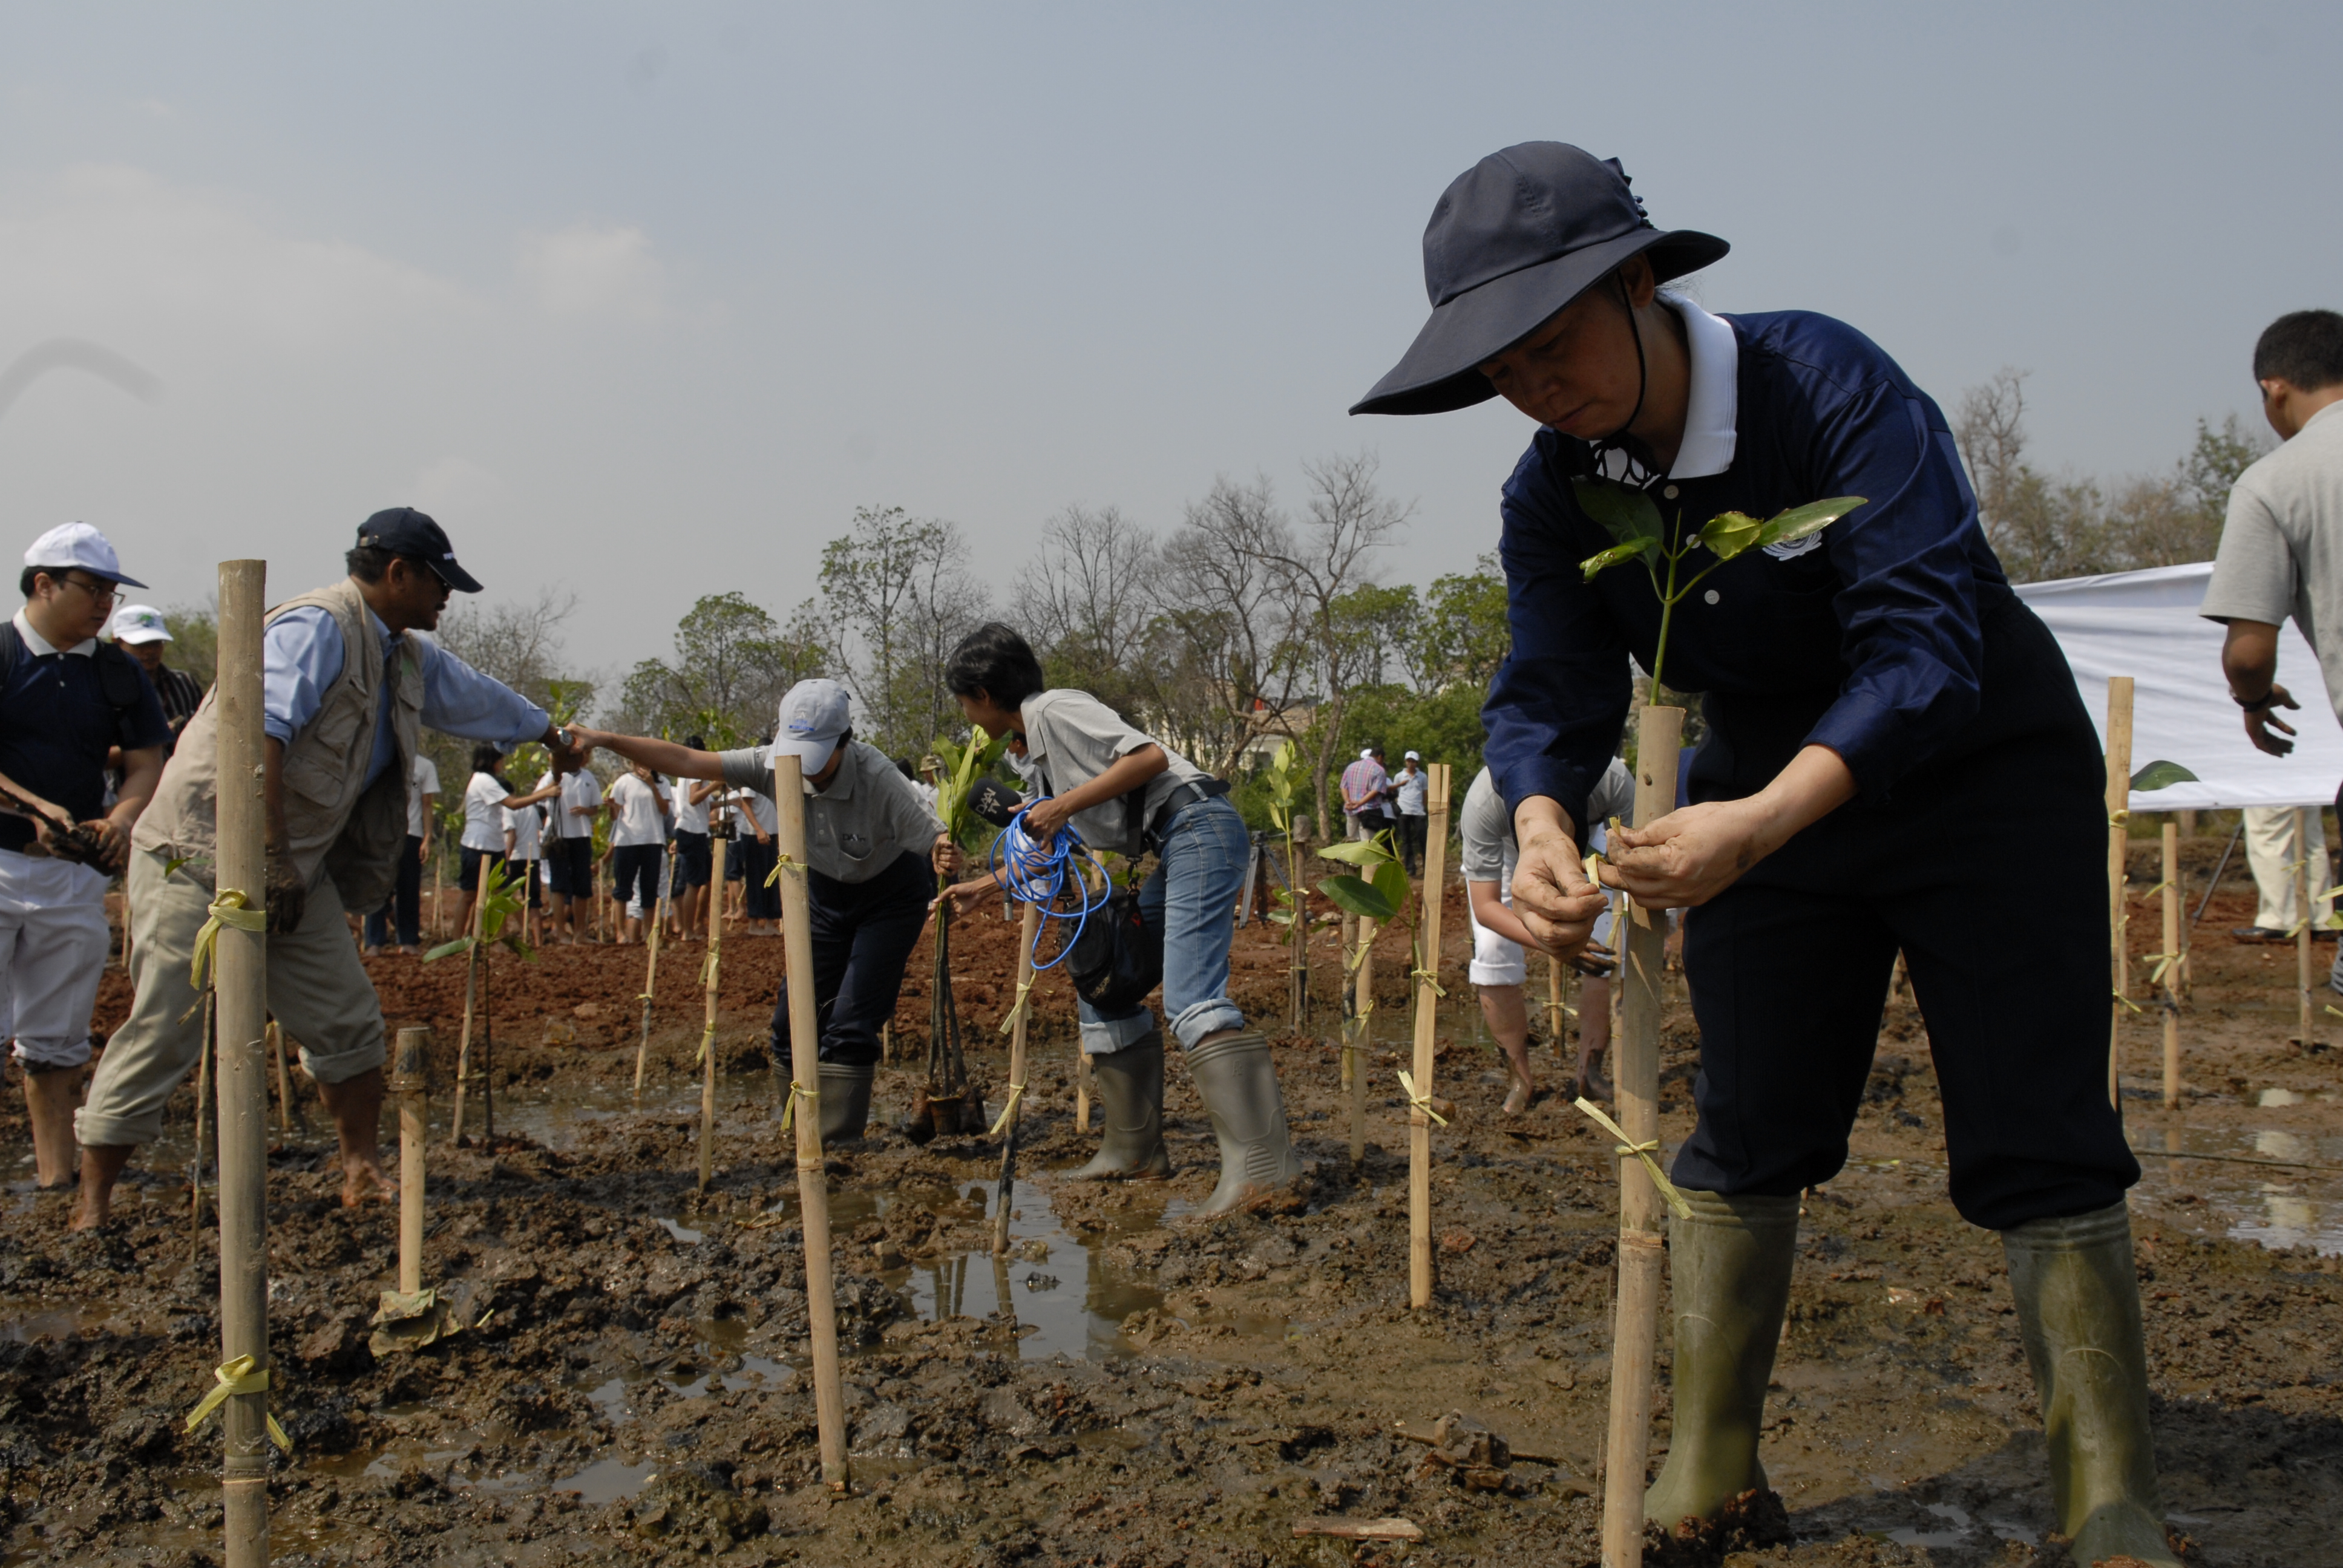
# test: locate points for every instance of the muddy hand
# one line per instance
(1552, 895)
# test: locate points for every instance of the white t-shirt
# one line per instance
(483, 813)
(422, 779)
(753, 804)
(2281, 551)
(636, 815)
(580, 788)
(689, 818)
(527, 828)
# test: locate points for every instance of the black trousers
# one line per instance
(1410, 841)
(863, 933)
(758, 902)
(405, 902)
(1987, 866)
(637, 875)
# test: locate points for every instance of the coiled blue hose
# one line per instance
(1040, 875)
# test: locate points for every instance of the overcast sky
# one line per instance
(645, 300)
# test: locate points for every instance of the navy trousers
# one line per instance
(863, 933)
(1987, 866)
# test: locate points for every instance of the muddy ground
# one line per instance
(1170, 1392)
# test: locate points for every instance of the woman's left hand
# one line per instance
(1687, 857)
(1043, 818)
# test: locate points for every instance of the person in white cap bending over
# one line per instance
(139, 631)
(335, 793)
(66, 700)
(871, 842)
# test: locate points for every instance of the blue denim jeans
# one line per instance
(1190, 906)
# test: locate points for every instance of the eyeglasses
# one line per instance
(104, 593)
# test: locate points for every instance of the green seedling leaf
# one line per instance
(1811, 518)
(448, 949)
(1282, 916)
(1625, 514)
(1595, 565)
(177, 861)
(1728, 533)
(1281, 896)
(1391, 882)
(1357, 853)
(1355, 896)
(2161, 774)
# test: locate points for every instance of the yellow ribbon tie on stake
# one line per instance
(2119, 818)
(1016, 1094)
(1646, 1152)
(230, 906)
(812, 1097)
(1429, 978)
(707, 1039)
(1022, 1008)
(238, 1376)
(780, 861)
(1421, 1101)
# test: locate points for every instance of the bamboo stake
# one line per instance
(1355, 1036)
(1029, 929)
(2118, 842)
(285, 1107)
(1553, 1001)
(1427, 1001)
(650, 984)
(241, 971)
(2302, 919)
(438, 867)
(813, 1185)
(408, 1066)
(487, 1038)
(708, 1032)
(203, 1113)
(1081, 1086)
(2171, 961)
(1635, 1083)
(471, 981)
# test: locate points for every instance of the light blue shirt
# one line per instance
(301, 657)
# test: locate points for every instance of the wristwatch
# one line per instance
(2259, 704)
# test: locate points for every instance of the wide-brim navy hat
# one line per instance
(1515, 238)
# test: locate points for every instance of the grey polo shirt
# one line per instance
(1072, 738)
(1487, 827)
(869, 815)
(2282, 545)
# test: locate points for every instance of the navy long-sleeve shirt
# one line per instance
(1863, 638)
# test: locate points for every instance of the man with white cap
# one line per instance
(139, 631)
(347, 689)
(1409, 786)
(66, 700)
(871, 842)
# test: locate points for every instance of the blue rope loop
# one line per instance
(1043, 875)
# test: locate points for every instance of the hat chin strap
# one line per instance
(1637, 464)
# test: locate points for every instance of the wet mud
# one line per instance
(1130, 1385)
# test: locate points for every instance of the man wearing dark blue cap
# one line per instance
(345, 687)
(1870, 692)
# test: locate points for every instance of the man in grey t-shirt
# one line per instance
(2282, 543)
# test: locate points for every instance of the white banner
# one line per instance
(2145, 625)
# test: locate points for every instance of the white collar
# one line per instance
(39, 647)
(1715, 395)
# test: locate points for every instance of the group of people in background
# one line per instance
(1375, 801)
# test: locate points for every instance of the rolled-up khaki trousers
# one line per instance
(317, 990)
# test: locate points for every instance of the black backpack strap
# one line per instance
(12, 647)
(120, 678)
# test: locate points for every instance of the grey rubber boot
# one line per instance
(1238, 1083)
(845, 1091)
(1729, 1278)
(2078, 1308)
(1130, 1098)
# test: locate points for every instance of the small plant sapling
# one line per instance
(943, 1105)
(1375, 895)
(1294, 911)
(504, 893)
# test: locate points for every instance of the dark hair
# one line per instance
(2304, 348)
(25, 580)
(698, 743)
(995, 660)
(903, 766)
(486, 759)
(369, 562)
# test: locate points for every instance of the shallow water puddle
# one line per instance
(2275, 1205)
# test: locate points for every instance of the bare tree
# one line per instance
(1092, 596)
(1232, 616)
(897, 596)
(519, 644)
(1320, 569)
(2039, 527)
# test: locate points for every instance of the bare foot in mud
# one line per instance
(362, 1179)
(1520, 1099)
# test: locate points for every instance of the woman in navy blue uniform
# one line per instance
(1872, 693)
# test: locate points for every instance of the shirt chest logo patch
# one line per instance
(1789, 549)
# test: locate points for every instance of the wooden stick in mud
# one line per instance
(1027, 931)
(1427, 1000)
(708, 1030)
(1553, 1001)
(2172, 965)
(1636, 1082)
(438, 867)
(2302, 918)
(813, 1183)
(289, 1114)
(409, 1063)
(650, 984)
(471, 985)
(241, 972)
(1354, 1039)
(203, 1113)
(1081, 1085)
(2118, 842)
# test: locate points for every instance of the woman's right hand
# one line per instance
(1552, 896)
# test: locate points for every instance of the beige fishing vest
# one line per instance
(337, 826)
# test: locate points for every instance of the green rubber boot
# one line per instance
(2078, 1306)
(845, 1093)
(1131, 1102)
(1238, 1083)
(1729, 1276)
